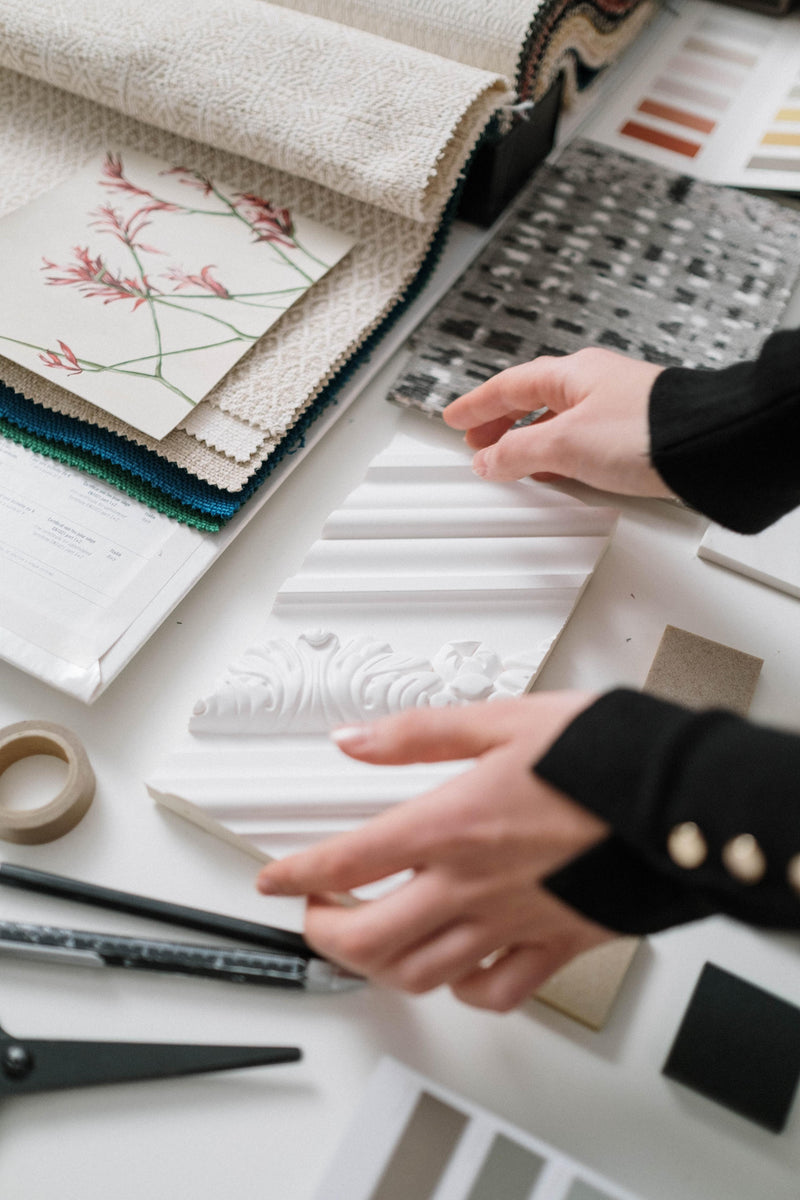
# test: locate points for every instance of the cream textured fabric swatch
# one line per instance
(492, 34)
(304, 95)
(327, 120)
(489, 34)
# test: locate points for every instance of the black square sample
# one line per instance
(739, 1045)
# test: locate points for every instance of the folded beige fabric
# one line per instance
(370, 118)
(489, 34)
(322, 115)
(327, 120)
(495, 36)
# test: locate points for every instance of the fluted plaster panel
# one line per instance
(271, 796)
(428, 586)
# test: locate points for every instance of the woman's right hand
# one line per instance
(596, 430)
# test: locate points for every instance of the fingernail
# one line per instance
(265, 885)
(351, 737)
(480, 466)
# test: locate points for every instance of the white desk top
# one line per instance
(269, 1132)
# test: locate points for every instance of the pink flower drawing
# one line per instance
(93, 278)
(108, 220)
(192, 179)
(115, 177)
(269, 223)
(52, 359)
(204, 280)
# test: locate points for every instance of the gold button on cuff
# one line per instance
(793, 872)
(744, 859)
(686, 845)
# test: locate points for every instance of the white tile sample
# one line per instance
(427, 587)
(771, 557)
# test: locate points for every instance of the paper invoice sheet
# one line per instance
(79, 562)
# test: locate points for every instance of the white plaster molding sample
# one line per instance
(428, 586)
(272, 796)
(316, 682)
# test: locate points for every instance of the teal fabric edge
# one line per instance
(115, 476)
(103, 446)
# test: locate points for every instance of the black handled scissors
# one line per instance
(42, 1064)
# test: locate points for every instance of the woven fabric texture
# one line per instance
(311, 108)
(45, 132)
(606, 249)
(361, 115)
(489, 36)
(527, 42)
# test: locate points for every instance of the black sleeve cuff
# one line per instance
(728, 442)
(645, 765)
(616, 887)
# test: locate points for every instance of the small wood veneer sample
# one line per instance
(586, 988)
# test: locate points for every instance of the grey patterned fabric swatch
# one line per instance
(608, 250)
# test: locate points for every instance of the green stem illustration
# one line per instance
(235, 212)
(95, 368)
(245, 337)
(172, 353)
(151, 307)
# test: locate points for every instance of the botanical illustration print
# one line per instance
(138, 285)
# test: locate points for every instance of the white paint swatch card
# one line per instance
(411, 1138)
(771, 557)
(715, 95)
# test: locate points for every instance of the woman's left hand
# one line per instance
(474, 915)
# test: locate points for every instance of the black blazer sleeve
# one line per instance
(728, 441)
(657, 772)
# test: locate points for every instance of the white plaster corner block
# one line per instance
(772, 556)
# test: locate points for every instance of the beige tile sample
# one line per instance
(701, 673)
(586, 988)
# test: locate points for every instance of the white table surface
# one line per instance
(267, 1133)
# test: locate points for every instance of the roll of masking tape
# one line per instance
(64, 811)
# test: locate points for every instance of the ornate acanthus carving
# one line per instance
(317, 682)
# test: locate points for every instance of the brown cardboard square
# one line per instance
(586, 988)
(701, 673)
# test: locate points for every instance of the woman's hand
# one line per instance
(479, 847)
(596, 429)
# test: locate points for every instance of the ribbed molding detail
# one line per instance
(427, 587)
